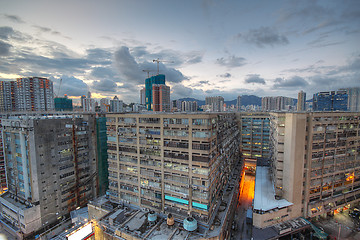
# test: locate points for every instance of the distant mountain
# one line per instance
(245, 100)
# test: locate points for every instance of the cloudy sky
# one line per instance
(209, 47)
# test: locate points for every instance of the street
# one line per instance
(340, 222)
(243, 230)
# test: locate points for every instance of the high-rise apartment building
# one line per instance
(301, 104)
(142, 96)
(189, 106)
(176, 105)
(216, 104)
(353, 99)
(315, 167)
(7, 96)
(160, 98)
(88, 104)
(277, 103)
(158, 79)
(51, 170)
(116, 105)
(331, 101)
(177, 163)
(238, 104)
(27, 94)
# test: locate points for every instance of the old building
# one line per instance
(315, 166)
(173, 163)
(51, 169)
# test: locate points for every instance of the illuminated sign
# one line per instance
(80, 233)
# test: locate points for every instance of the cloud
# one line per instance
(231, 61)
(43, 29)
(49, 30)
(71, 86)
(264, 36)
(180, 91)
(14, 18)
(104, 72)
(225, 75)
(254, 78)
(6, 32)
(200, 83)
(131, 70)
(4, 48)
(293, 82)
(127, 66)
(104, 86)
(306, 10)
(194, 57)
(98, 54)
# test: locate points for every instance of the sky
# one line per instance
(207, 47)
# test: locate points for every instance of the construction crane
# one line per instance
(158, 61)
(148, 72)
(107, 106)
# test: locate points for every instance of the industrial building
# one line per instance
(51, 168)
(175, 163)
(3, 185)
(315, 167)
(254, 134)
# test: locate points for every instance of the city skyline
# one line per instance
(212, 47)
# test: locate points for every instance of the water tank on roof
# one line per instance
(190, 224)
(152, 216)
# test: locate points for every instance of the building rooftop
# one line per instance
(17, 202)
(264, 199)
(131, 220)
(280, 229)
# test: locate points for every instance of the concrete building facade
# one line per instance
(301, 104)
(353, 99)
(50, 167)
(279, 103)
(116, 105)
(238, 104)
(315, 164)
(254, 134)
(189, 106)
(173, 163)
(160, 98)
(216, 104)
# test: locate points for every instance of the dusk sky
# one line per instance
(227, 48)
